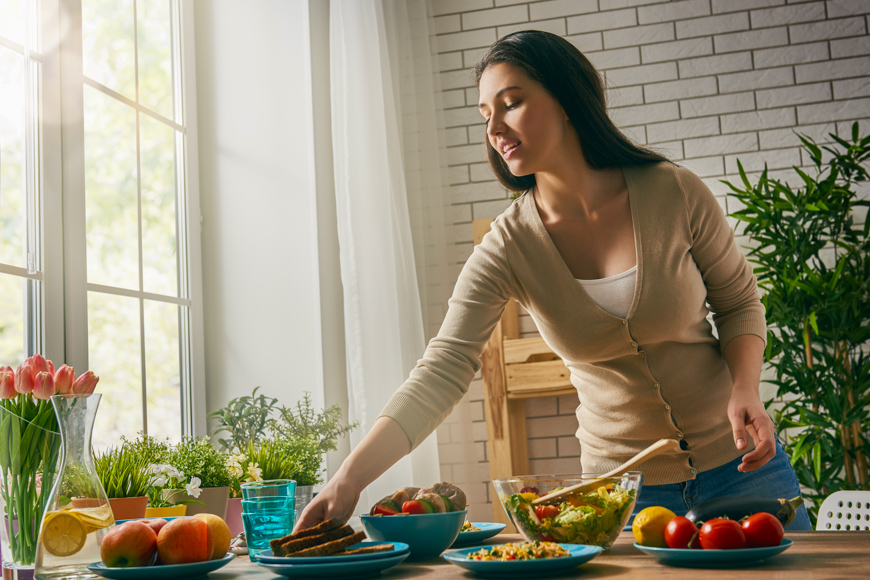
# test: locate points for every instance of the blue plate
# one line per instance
(579, 554)
(267, 557)
(487, 530)
(166, 572)
(336, 570)
(713, 558)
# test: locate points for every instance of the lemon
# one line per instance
(649, 526)
(63, 534)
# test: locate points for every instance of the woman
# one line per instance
(615, 252)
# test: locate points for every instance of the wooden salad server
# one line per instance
(657, 448)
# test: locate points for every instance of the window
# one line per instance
(127, 290)
(22, 260)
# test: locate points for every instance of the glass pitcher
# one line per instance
(77, 514)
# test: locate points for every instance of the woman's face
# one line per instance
(525, 124)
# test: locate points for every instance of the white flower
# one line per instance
(238, 458)
(157, 468)
(192, 488)
(159, 481)
(254, 472)
(236, 470)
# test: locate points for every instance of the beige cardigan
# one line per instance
(658, 373)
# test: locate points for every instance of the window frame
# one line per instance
(65, 249)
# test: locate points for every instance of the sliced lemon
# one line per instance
(63, 534)
(96, 518)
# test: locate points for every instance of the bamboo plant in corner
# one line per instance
(810, 251)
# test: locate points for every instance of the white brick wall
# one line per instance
(707, 82)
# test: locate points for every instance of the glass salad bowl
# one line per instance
(594, 517)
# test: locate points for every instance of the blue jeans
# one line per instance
(775, 480)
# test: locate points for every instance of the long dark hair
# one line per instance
(570, 77)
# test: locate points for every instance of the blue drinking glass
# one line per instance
(269, 488)
(266, 520)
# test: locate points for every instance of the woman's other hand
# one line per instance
(747, 413)
(744, 355)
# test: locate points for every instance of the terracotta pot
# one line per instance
(87, 502)
(214, 498)
(166, 512)
(129, 508)
(234, 516)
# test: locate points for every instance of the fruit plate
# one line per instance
(164, 572)
(267, 557)
(579, 554)
(352, 569)
(487, 530)
(713, 558)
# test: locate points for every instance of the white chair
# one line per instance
(845, 511)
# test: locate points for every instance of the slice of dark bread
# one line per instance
(295, 544)
(320, 528)
(330, 547)
(367, 550)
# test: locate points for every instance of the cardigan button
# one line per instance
(656, 385)
(641, 354)
(633, 343)
(625, 322)
(668, 407)
(693, 470)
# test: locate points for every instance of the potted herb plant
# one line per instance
(810, 250)
(124, 475)
(208, 487)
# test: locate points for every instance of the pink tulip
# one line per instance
(24, 379)
(86, 383)
(39, 364)
(64, 379)
(7, 383)
(50, 367)
(43, 385)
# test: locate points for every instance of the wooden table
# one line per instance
(840, 555)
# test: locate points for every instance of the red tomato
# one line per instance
(680, 531)
(762, 530)
(546, 511)
(722, 534)
(413, 507)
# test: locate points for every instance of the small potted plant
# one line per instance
(208, 487)
(124, 475)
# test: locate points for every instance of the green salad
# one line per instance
(592, 518)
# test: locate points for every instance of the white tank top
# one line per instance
(613, 294)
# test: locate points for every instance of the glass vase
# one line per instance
(77, 513)
(29, 451)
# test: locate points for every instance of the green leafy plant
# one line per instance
(244, 418)
(303, 422)
(122, 471)
(195, 457)
(811, 259)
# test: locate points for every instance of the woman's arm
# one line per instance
(383, 446)
(744, 355)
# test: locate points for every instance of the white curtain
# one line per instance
(389, 208)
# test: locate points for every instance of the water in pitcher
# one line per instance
(70, 538)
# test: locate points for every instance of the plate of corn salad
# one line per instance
(476, 533)
(526, 558)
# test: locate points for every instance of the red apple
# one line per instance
(184, 541)
(130, 544)
(155, 524)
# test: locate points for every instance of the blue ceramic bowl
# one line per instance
(426, 534)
